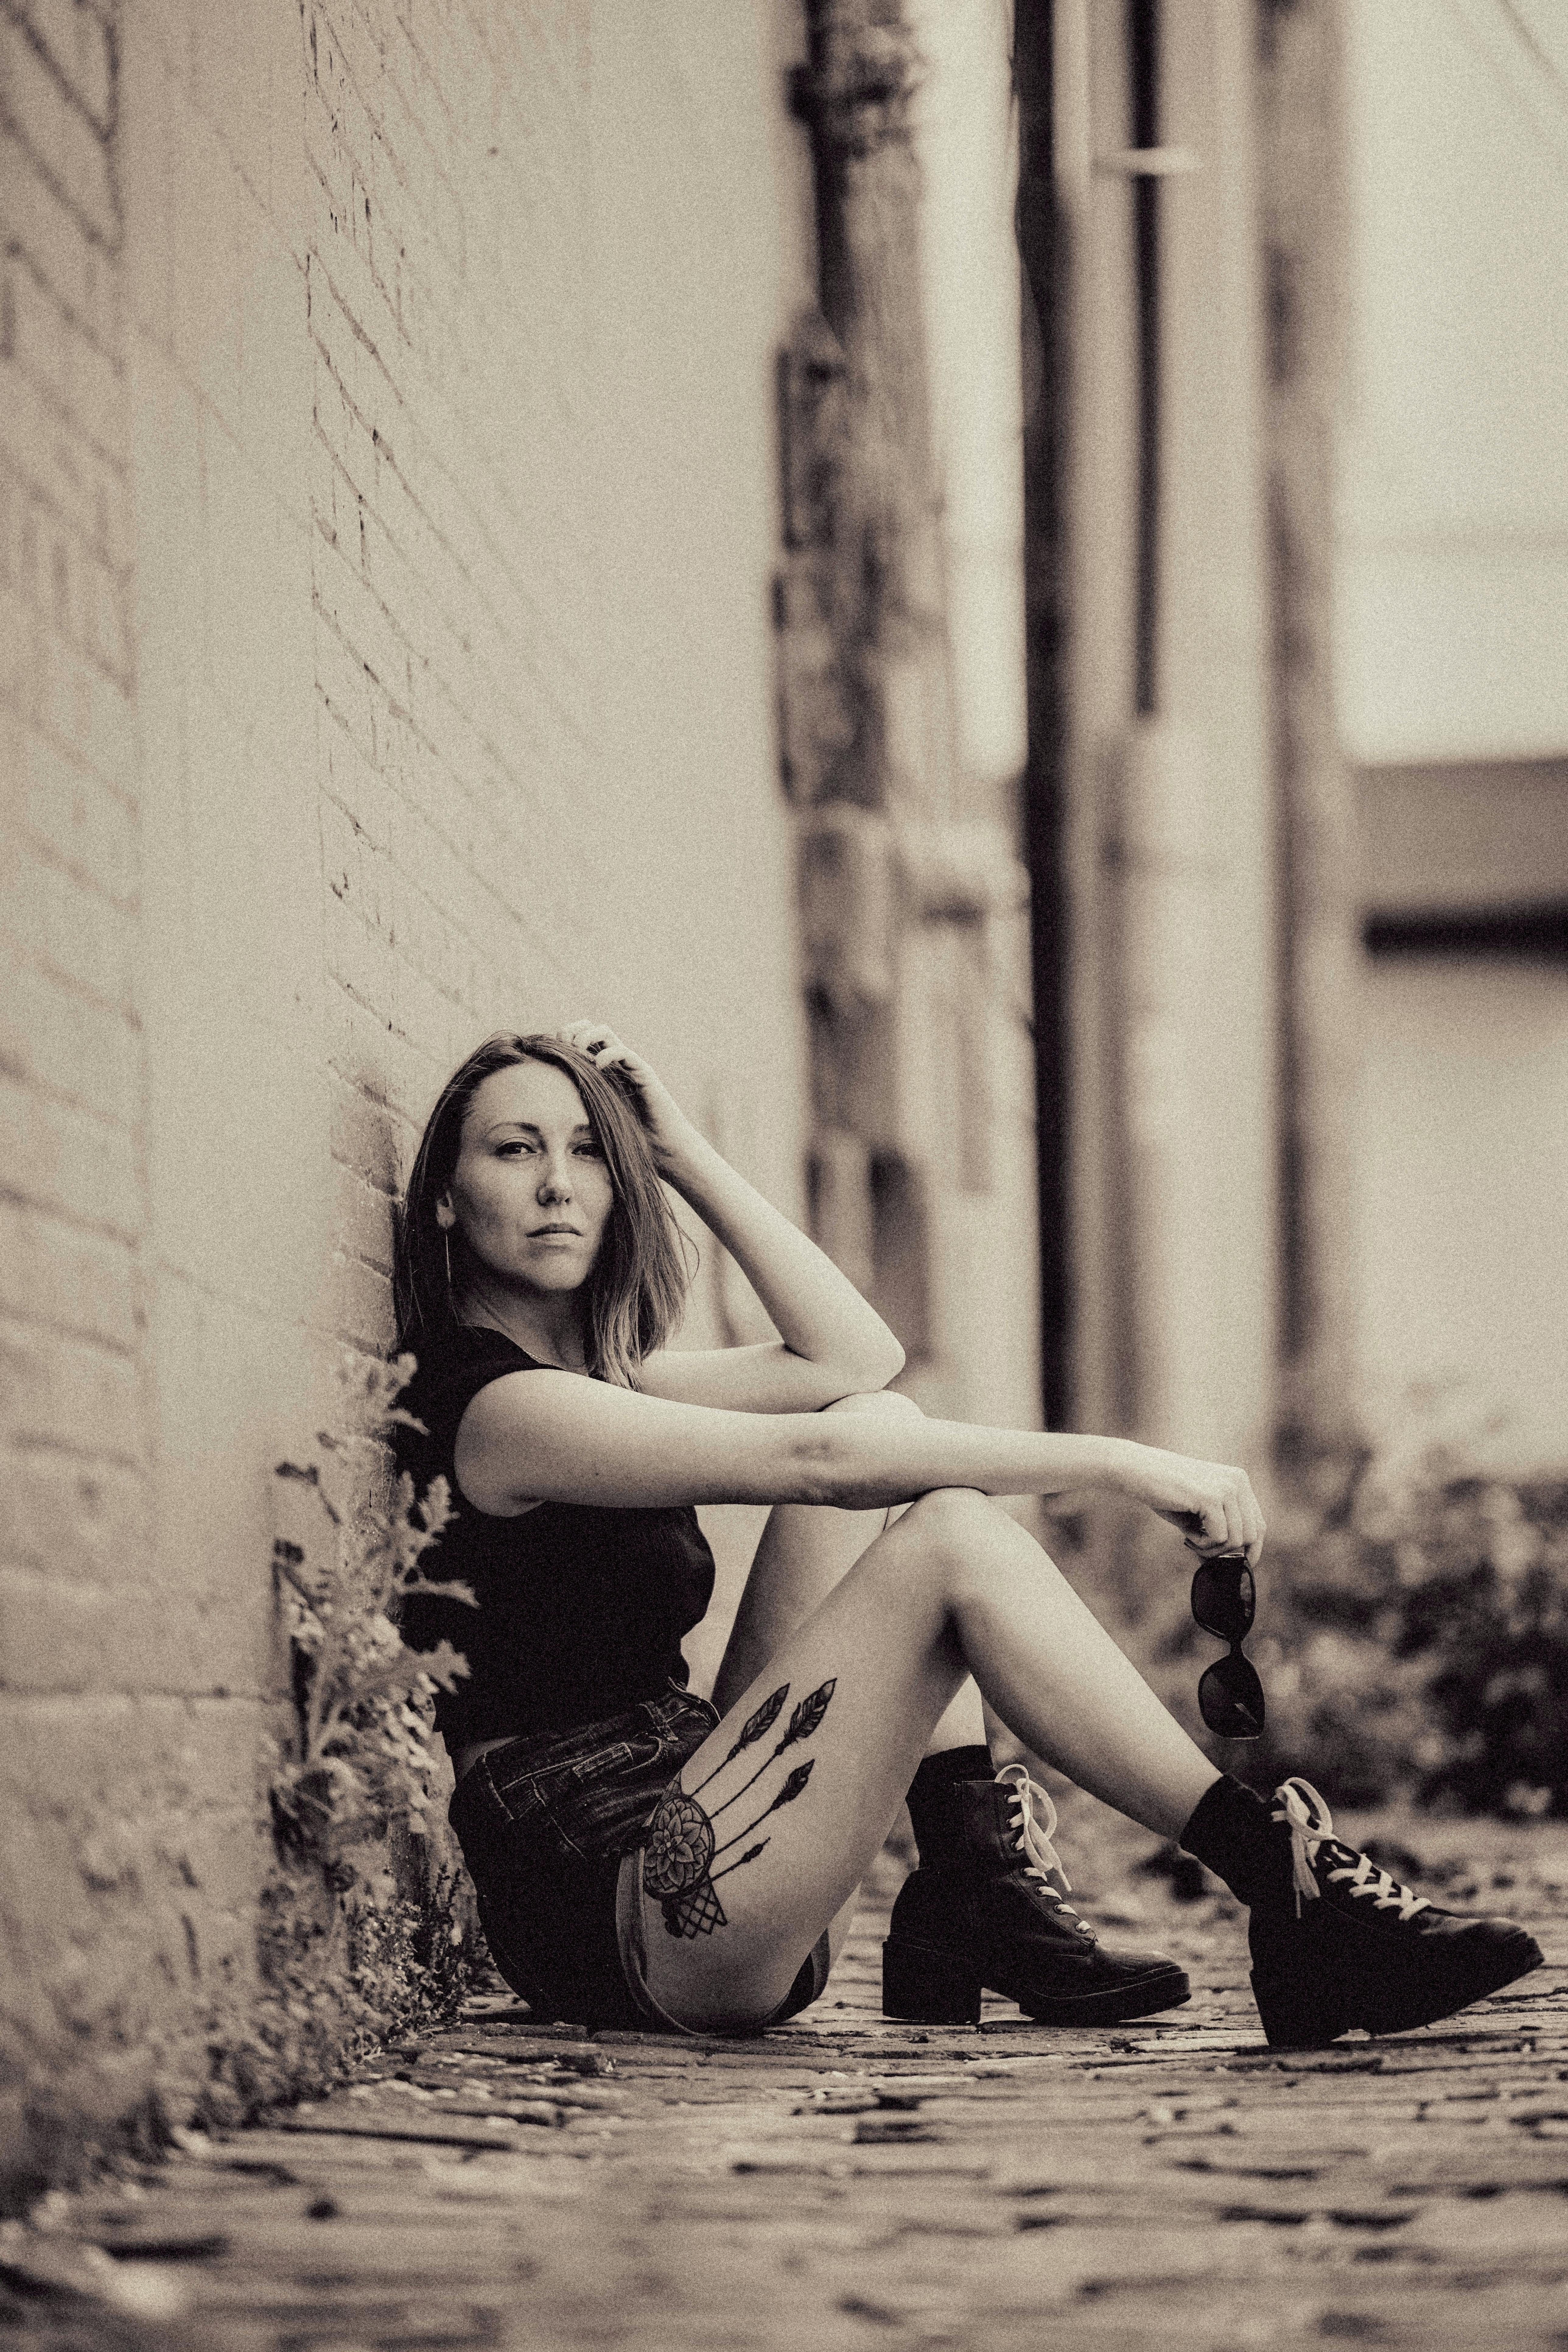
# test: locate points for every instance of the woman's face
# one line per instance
(530, 1194)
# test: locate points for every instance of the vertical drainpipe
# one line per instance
(1143, 107)
(1159, 858)
(1301, 103)
(1046, 258)
(1144, 793)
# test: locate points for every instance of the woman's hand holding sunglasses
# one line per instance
(1212, 1504)
(1217, 1510)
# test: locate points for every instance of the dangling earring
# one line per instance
(447, 1245)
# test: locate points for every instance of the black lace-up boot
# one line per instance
(1337, 1942)
(987, 1906)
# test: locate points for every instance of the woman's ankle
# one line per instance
(1231, 1832)
(932, 1814)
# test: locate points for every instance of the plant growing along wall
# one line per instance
(366, 1924)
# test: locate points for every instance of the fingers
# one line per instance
(1227, 1519)
(599, 1042)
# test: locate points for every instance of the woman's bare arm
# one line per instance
(831, 1343)
(768, 1376)
(548, 1436)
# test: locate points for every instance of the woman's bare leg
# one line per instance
(805, 1550)
(794, 1811)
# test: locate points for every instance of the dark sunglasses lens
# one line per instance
(1225, 1598)
(1230, 1698)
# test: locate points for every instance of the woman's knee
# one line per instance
(952, 1515)
(959, 1538)
(890, 1403)
(944, 1533)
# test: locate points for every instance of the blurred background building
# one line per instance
(520, 511)
(1451, 579)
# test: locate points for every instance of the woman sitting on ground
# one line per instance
(642, 1856)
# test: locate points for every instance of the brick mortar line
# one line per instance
(417, 964)
(431, 452)
(403, 17)
(425, 660)
(70, 984)
(311, 1327)
(461, 564)
(19, 466)
(16, 1198)
(533, 661)
(377, 1102)
(103, 129)
(60, 1449)
(63, 309)
(484, 809)
(81, 1335)
(49, 854)
(71, 753)
(375, 115)
(122, 685)
(535, 613)
(453, 920)
(391, 146)
(480, 33)
(400, 711)
(430, 285)
(344, 1254)
(112, 247)
(28, 1448)
(88, 1588)
(353, 1167)
(126, 1702)
(383, 1019)
(219, 131)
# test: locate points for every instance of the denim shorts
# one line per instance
(552, 1827)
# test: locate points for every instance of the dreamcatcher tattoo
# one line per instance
(683, 1841)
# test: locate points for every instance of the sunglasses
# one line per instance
(1230, 1696)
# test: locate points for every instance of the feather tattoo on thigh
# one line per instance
(684, 1840)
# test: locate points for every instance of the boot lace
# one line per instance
(1033, 1826)
(1312, 1826)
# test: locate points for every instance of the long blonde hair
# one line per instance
(636, 1289)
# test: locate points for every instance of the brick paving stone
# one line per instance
(847, 2183)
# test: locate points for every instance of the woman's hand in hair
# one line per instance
(669, 1129)
(830, 1344)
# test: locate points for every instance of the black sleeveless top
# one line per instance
(581, 1609)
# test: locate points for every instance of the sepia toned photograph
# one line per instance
(783, 1200)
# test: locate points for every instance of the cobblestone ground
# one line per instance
(847, 2183)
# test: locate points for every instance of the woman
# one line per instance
(642, 1856)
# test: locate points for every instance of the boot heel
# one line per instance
(927, 1987)
(1297, 2016)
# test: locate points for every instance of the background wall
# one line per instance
(391, 508)
(1168, 843)
(1451, 588)
(1452, 572)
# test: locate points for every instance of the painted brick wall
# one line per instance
(388, 458)
(75, 1556)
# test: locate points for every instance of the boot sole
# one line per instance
(925, 1984)
(1305, 2018)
